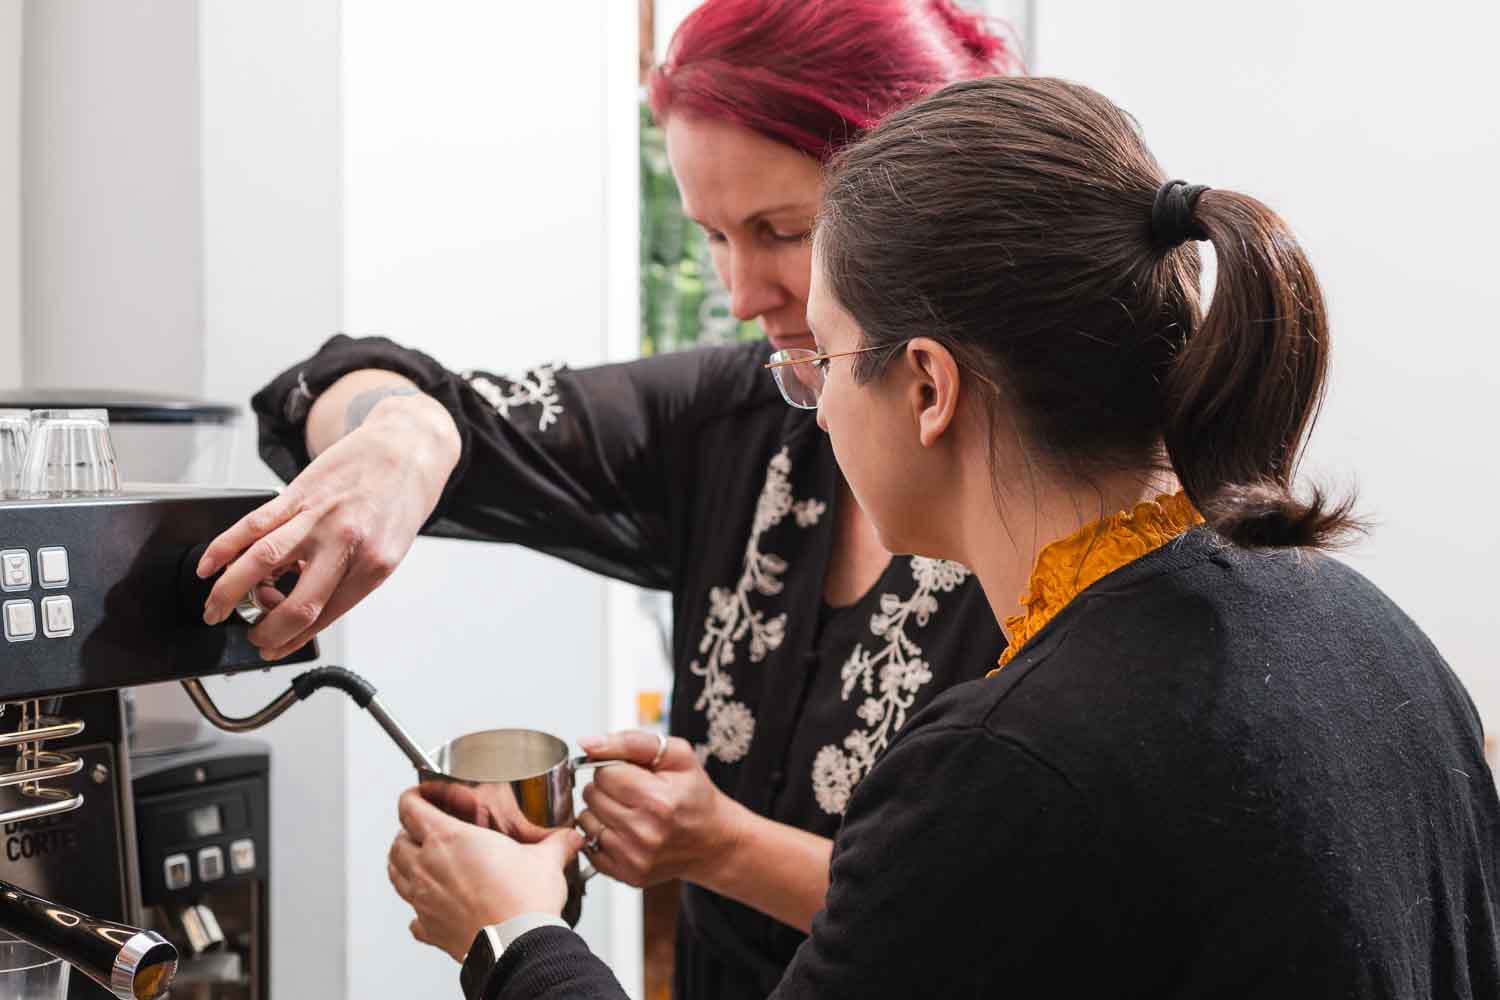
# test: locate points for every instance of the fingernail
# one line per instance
(202, 568)
(591, 743)
(210, 615)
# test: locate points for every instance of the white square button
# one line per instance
(20, 620)
(242, 856)
(52, 566)
(178, 871)
(57, 616)
(15, 570)
(211, 864)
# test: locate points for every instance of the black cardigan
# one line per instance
(1216, 773)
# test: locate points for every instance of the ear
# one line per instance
(934, 388)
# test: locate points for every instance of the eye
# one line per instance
(775, 235)
(712, 235)
(821, 364)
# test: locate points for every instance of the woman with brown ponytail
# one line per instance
(1215, 761)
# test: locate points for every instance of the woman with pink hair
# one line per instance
(801, 645)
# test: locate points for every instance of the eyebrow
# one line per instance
(762, 213)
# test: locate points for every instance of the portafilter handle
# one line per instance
(130, 963)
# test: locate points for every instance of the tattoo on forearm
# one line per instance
(360, 406)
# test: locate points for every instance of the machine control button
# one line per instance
(20, 620)
(211, 864)
(15, 570)
(57, 616)
(52, 566)
(179, 871)
(242, 856)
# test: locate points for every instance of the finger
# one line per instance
(420, 818)
(246, 531)
(620, 819)
(303, 607)
(403, 855)
(268, 596)
(591, 826)
(562, 847)
(629, 784)
(399, 881)
(355, 587)
(418, 931)
(265, 559)
(634, 745)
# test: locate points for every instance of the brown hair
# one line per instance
(1010, 219)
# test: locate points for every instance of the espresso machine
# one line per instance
(100, 594)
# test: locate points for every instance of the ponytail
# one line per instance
(1245, 388)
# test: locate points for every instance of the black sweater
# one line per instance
(1216, 773)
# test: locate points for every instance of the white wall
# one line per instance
(1374, 134)
(112, 233)
(473, 208)
(10, 192)
(271, 268)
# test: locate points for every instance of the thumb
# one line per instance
(562, 846)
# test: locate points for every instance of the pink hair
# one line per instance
(814, 74)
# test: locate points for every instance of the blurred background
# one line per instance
(195, 193)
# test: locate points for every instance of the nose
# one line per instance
(753, 288)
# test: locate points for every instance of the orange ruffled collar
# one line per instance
(1068, 566)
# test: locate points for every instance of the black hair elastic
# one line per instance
(1172, 222)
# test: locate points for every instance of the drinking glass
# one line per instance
(70, 455)
(28, 973)
(15, 431)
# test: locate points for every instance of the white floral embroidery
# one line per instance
(888, 679)
(537, 387)
(731, 724)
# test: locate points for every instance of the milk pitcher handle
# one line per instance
(586, 870)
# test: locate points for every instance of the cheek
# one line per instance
(796, 272)
(863, 444)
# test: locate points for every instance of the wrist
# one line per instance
(424, 428)
(723, 861)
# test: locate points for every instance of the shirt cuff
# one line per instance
(513, 928)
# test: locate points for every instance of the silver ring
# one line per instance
(661, 750)
(591, 843)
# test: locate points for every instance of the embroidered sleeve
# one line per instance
(591, 465)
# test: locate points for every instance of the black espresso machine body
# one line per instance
(100, 594)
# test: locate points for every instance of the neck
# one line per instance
(1001, 546)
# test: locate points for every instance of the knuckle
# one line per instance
(381, 563)
(268, 552)
(349, 533)
(303, 613)
(259, 521)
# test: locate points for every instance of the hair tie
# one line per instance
(1172, 222)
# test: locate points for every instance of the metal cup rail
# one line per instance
(35, 767)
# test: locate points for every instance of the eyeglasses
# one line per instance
(801, 372)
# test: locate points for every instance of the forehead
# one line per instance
(727, 173)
